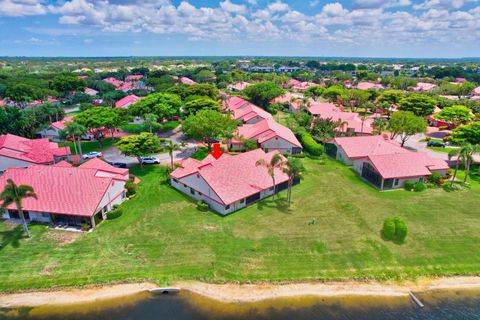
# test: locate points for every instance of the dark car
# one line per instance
(435, 144)
(118, 165)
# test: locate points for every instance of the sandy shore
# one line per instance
(230, 293)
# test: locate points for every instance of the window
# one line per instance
(105, 209)
(242, 201)
(396, 181)
(45, 215)
(124, 194)
(175, 180)
(227, 207)
(192, 191)
(271, 189)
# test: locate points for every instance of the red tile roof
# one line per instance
(115, 82)
(133, 77)
(101, 165)
(126, 101)
(352, 120)
(266, 130)
(244, 110)
(60, 125)
(186, 80)
(361, 147)
(234, 178)
(406, 165)
(369, 85)
(317, 108)
(60, 189)
(38, 151)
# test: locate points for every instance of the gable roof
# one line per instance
(237, 177)
(60, 125)
(424, 86)
(126, 100)
(30, 150)
(100, 165)
(267, 129)
(352, 120)
(60, 189)
(369, 85)
(406, 165)
(363, 146)
(186, 80)
(115, 82)
(316, 108)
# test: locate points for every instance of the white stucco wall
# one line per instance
(279, 144)
(114, 195)
(50, 133)
(197, 183)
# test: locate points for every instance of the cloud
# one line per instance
(446, 4)
(18, 8)
(334, 9)
(231, 7)
(375, 4)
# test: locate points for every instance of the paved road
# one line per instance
(112, 154)
(414, 144)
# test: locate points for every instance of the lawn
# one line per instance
(332, 231)
(138, 128)
(88, 146)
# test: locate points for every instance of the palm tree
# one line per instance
(76, 130)
(170, 146)
(275, 163)
(63, 135)
(294, 169)
(464, 155)
(15, 194)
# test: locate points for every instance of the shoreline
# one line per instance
(240, 293)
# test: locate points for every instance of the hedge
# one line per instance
(310, 145)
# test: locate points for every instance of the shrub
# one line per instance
(419, 187)
(131, 188)
(202, 206)
(388, 230)
(436, 178)
(117, 212)
(401, 230)
(299, 155)
(85, 226)
(310, 145)
(394, 229)
(409, 185)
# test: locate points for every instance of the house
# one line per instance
(292, 100)
(53, 131)
(317, 108)
(90, 92)
(369, 85)
(127, 101)
(476, 91)
(239, 86)
(229, 183)
(292, 82)
(384, 163)
(460, 80)
(68, 195)
(245, 111)
(187, 81)
(19, 152)
(115, 82)
(352, 122)
(134, 77)
(303, 86)
(424, 86)
(269, 136)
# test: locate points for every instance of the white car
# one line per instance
(150, 160)
(92, 154)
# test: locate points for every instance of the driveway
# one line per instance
(112, 154)
(414, 144)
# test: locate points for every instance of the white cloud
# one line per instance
(18, 8)
(334, 9)
(278, 6)
(231, 7)
(447, 4)
(372, 4)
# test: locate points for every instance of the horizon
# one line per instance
(407, 29)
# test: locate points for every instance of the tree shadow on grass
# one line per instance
(394, 241)
(281, 204)
(11, 237)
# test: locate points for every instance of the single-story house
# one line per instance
(369, 85)
(187, 81)
(90, 92)
(229, 183)
(424, 86)
(303, 86)
(134, 77)
(115, 82)
(68, 195)
(292, 82)
(476, 91)
(239, 86)
(127, 101)
(384, 163)
(352, 122)
(245, 111)
(19, 152)
(269, 136)
(52, 132)
(292, 100)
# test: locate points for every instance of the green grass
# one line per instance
(162, 237)
(440, 149)
(88, 146)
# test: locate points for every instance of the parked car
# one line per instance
(435, 144)
(87, 137)
(92, 154)
(150, 160)
(122, 165)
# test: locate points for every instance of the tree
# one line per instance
(139, 145)
(262, 93)
(170, 146)
(379, 125)
(333, 93)
(99, 118)
(276, 163)
(200, 103)
(209, 125)
(22, 93)
(68, 84)
(205, 76)
(420, 104)
(465, 155)
(467, 133)
(299, 120)
(16, 194)
(151, 121)
(455, 114)
(391, 96)
(75, 131)
(314, 92)
(164, 105)
(294, 169)
(354, 99)
(395, 229)
(324, 129)
(404, 124)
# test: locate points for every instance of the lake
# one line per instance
(452, 304)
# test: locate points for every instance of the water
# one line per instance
(455, 305)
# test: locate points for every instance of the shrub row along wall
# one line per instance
(310, 145)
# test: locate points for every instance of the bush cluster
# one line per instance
(131, 188)
(395, 229)
(409, 185)
(310, 145)
(202, 206)
(419, 187)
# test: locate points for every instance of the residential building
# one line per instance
(382, 162)
(424, 86)
(239, 86)
(90, 92)
(245, 111)
(115, 82)
(19, 152)
(351, 122)
(68, 195)
(187, 81)
(229, 183)
(369, 85)
(53, 131)
(127, 101)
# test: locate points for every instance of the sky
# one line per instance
(349, 28)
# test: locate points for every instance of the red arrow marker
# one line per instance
(216, 153)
